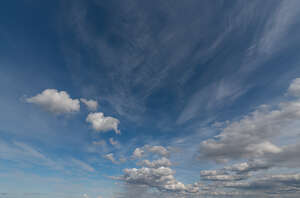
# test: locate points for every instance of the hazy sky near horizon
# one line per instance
(160, 99)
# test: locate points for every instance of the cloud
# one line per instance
(160, 150)
(161, 178)
(138, 153)
(270, 184)
(221, 175)
(268, 140)
(252, 135)
(103, 124)
(155, 174)
(165, 162)
(54, 101)
(92, 105)
(294, 88)
(250, 166)
(85, 195)
(113, 142)
(111, 157)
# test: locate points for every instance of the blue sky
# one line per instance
(116, 99)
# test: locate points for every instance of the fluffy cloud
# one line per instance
(55, 101)
(138, 153)
(155, 174)
(267, 139)
(252, 135)
(92, 105)
(161, 178)
(103, 124)
(158, 150)
(294, 88)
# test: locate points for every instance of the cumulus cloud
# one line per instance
(165, 162)
(113, 142)
(267, 139)
(92, 105)
(138, 153)
(155, 174)
(161, 178)
(101, 123)
(54, 101)
(252, 135)
(158, 150)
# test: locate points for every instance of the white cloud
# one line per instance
(92, 105)
(138, 153)
(54, 101)
(160, 150)
(252, 135)
(294, 88)
(103, 124)
(162, 162)
(161, 178)
(111, 157)
(85, 195)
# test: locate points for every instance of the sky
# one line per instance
(160, 99)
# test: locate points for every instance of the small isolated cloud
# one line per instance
(101, 123)
(54, 101)
(138, 153)
(111, 157)
(92, 105)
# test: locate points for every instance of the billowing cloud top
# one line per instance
(54, 101)
(101, 123)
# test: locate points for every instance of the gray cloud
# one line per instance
(252, 135)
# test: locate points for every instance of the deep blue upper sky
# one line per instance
(167, 73)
